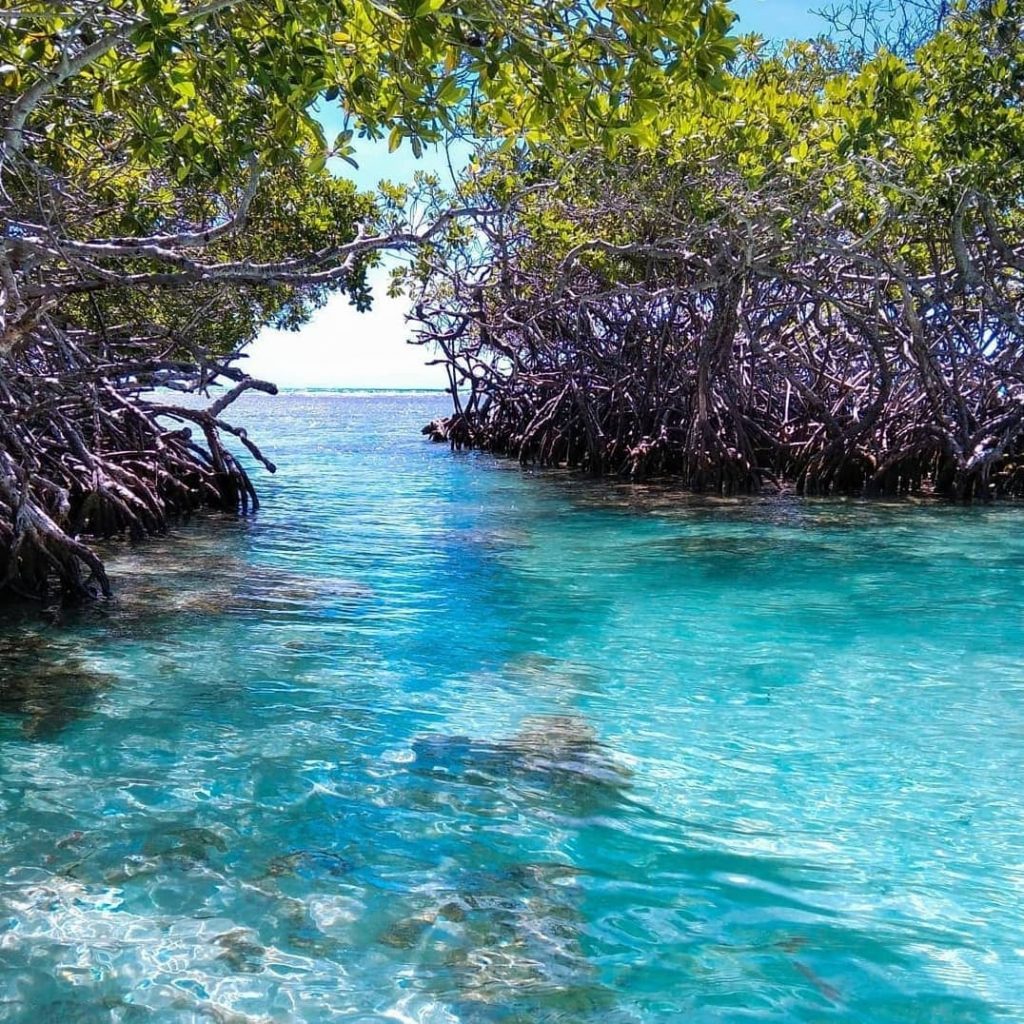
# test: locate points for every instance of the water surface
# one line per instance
(432, 739)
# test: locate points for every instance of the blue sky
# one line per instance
(786, 19)
(343, 348)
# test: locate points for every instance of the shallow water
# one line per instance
(435, 740)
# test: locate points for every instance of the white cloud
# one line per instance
(342, 348)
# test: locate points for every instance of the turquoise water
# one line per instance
(435, 740)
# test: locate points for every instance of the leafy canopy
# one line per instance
(193, 88)
(123, 118)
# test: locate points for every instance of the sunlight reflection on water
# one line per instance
(436, 740)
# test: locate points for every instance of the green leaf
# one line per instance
(428, 7)
(185, 88)
(450, 94)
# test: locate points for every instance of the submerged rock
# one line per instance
(558, 756)
(510, 940)
(506, 942)
(309, 864)
(133, 866)
(126, 858)
(241, 953)
(215, 1012)
(193, 844)
(407, 932)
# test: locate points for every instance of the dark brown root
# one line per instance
(825, 365)
(88, 451)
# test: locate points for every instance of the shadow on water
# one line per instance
(44, 689)
(47, 686)
(196, 571)
(159, 596)
(664, 498)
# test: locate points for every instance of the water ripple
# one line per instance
(437, 740)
